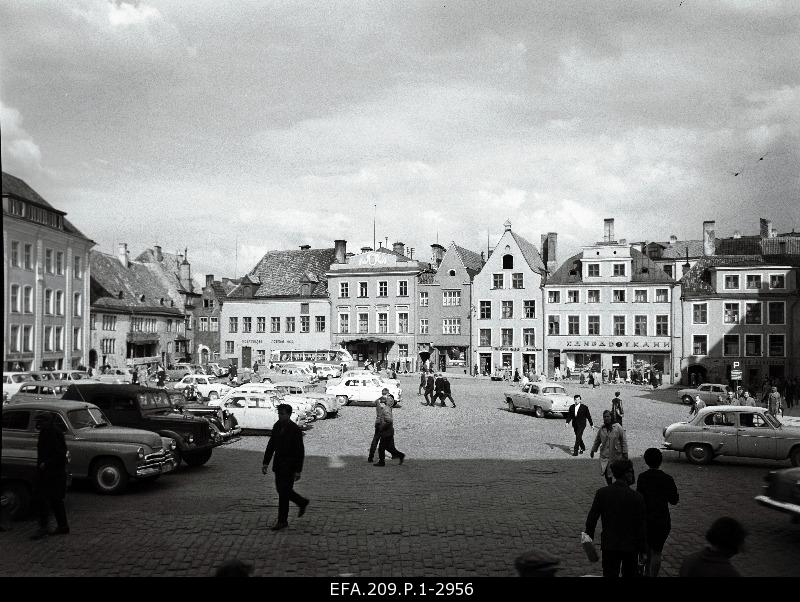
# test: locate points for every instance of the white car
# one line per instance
(323, 404)
(328, 371)
(390, 383)
(258, 411)
(357, 388)
(301, 407)
(207, 387)
(115, 376)
(297, 372)
(12, 381)
(540, 398)
(71, 375)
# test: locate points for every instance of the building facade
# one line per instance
(611, 307)
(207, 314)
(45, 283)
(507, 328)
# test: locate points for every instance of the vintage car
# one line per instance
(40, 390)
(178, 371)
(743, 431)
(259, 411)
(390, 383)
(782, 492)
(19, 477)
(323, 405)
(216, 369)
(327, 371)
(541, 398)
(222, 422)
(708, 392)
(115, 376)
(301, 407)
(363, 389)
(109, 456)
(12, 381)
(206, 387)
(71, 375)
(297, 372)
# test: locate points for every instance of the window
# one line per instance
(593, 325)
(261, 324)
(593, 296)
(700, 344)
(662, 295)
(15, 258)
(752, 345)
(731, 313)
(486, 310)
(203, 324)
(554, 296)
(169, 326)
(730, 345)
(344, 323)
(573, 325)
(402, 349)
(667, 269)
(619, 325)
(573, 296)
(233, 325)
(776, 312)
(508, 262)
(593, 270)
(109, 346)
(304, 309)
(497, 280)
(619, 269)
(58, 338)
(28, 257)
(517, 280)
(402, 288)
(383, 323)
(485, 337)
(731, 282)
(553, 325)
(60, 263)
(59, 303)
(640, 295)
(507, 336)
(14, 298)
(77, 305)
(305, 323)
(752, 313)
(109, 322)
(290, 324)
(344, 290)
(319, 323)
(363, 322)
(423, 298)
(77, 339)
(619, 295)
(27, 300)
(529, 309)
(402, 322)
(208, 303)
(27, 338)
(640, 326)
(48, 338)
(362, 289)
(16, 421)
(753, 281)
(423, 326)
(451, 326)
(529, 337)
(14, 343)
(48, 260)
(451, 298)
(777, 281)
(229, 348)
(77, 267)
(274, 324)
(213, 322)
(383, 288)
(777, 345)
(247, 324)
(700, 313)
(506, 309)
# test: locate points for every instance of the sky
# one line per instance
(234, 128)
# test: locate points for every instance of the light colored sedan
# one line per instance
(323, 404)
(390, 383)
(258, 411)
(357, 388)
(207, 387)
(708, 392)
(743, 431)
(540, 398)
(301, 407)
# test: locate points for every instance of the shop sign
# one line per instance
(252, 341)
(281, 341)
(506, 348)
(618, 344)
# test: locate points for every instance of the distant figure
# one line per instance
(774, 401)
(616, 409)
(726, 537)
(658, 490)
(51, 486)
(557, 373)
(697, 405)
(583, 378)
(422, 379)
(444, 391)
(516, 375)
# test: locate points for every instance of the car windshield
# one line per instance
(556, 390)
(21, 378)
(87, 418)
(154, 400)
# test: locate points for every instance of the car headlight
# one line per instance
(140, 453)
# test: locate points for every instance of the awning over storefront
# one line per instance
(368, 340)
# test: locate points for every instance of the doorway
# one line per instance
(485, 363)
(620, 362)
(247, 357)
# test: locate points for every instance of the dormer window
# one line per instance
(452, 272)
(508, 262)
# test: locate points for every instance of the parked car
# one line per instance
(109, 456)
(782, 492)
(357, 389)
(327, 371)
(743, 431)
(207, 387)
(297, 372)
(323, 405)
(259, 411)
(301, 407)
(390, 383)
(222, 422)
(115, 376)
(178, 371)
(216, 369)
(40, 390)
(151, 409)
(71, 375)
(19, 477)
(540, 398)
(12, 381)
(708, 392)
(42, 375)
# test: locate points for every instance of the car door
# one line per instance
(261, 412)
(529, 401)
(757, 438)
(19, 436)
(719, 429)
(704, 391)
(237, 405)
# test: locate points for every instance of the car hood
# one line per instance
(120, 434)
(175, 418)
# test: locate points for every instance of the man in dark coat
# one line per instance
(286, 443)
(438, 383)
(579, 414)
(622, 511)
(658, 490)
(52, 478)
(444, 391)
(429, 384)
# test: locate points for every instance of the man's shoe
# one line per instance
(279, 525)
(574, 453)
(370, 460)
(380, 463)
(60, 531)
(402, 457)
(302, 510)
(583, 450)
(40, 534)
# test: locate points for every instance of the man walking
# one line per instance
(386, 429)
(658, 490)
(622, 511)
(422, 380)
(286, 443)
(387, 399)
(437, 389)
(429, 382)
(774, 402)
(613, 445)
(579, 414)
(444, 391)
(616, 409)
(52, 476)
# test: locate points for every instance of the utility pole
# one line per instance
(374, 216)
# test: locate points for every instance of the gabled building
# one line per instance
(507, 331)
(207, 314)
(281, 304)
(444, 308)
(45, 283)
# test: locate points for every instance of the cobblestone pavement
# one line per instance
(480, 486)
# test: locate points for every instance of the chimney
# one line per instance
(305, 247)
(644, 246)
(686, 266)
(157, 253)
(340, 250)
(185, 272)
(399, 247)
(209, 279)
(672, 239)
(483, 257)
(608, 229)
(766, 227)
(366, 249)
(437, 254)
(709, 238)
(551, 262)
(411, 253)
(122, 253)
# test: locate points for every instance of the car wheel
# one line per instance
(342, 399)
(699, 453)
(320, 412)
(687, 400)
(109, 476)
(538, 412)
(794, 456)
(197, 458)
(511, 407)
(18, 498)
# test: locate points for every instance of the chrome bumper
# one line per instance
(156, 464)
(767, 501)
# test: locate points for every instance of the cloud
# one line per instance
(18, 146)
(123, 14)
